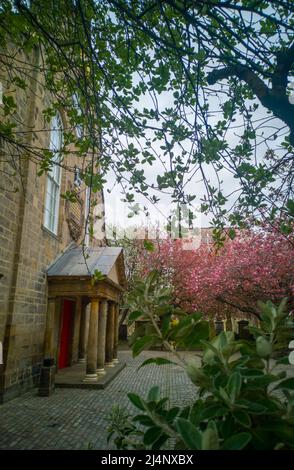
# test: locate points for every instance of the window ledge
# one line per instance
(52, 234)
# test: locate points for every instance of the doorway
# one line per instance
(66, 333)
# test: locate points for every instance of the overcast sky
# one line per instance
(117, 212)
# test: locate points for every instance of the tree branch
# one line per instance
(285, 61)
(275, 99)
(250, 310)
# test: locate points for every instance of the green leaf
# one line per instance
(159, 361)
(287, 384)
(261, 381)
(69, 196)
(136, 400)
(232, 233)
(290, 206)
(285, 228)
(237, 442)
(242, 418)
(161, 402)
(97, 276)
(212, 411)
(154, 393)
(283, 360)
(142, 343)
(140, 331)
(151, 435)
(185, 412)
(189, 433)
(263, 347)
(172, 413)
(9, 104)
(268, 27)
(144, 420)
(198, 332)
(210, 439)
(195, 412)
(196, 373)
(159, 442)
(251, 372)
(224, 395)
(19, 82)
(227, 427)
(252, 406)
(181, 330)
(234, 386)
(134, 315)
(165, 326)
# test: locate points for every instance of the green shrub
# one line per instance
(243, 401)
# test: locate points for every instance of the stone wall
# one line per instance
(26, 247)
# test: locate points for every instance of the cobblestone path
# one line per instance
(77, 418)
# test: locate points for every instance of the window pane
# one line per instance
(53, 178)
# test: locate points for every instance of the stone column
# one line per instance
(109, 335)
(76, 331)
(91, 374)
(115, 340)
(83, 337)
(102, 337)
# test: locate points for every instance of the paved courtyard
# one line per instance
(77, 419)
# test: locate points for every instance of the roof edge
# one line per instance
(67, 248)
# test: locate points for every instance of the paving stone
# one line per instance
(78, 418)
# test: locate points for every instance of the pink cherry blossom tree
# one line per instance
(256, 265)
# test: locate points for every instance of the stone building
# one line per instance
(43, 312)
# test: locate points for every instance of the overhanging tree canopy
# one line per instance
(176, 85)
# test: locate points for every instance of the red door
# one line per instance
(65, 336)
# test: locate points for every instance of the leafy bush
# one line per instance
(125, 431)
(161, 322)
(243, 401)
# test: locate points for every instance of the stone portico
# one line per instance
(82, 318)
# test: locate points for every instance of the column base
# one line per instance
(109, 364)
(90, 378)
(115, 361)
(100, 371)
(82, 360)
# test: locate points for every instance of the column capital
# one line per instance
(83, 332)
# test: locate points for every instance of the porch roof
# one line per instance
(75, 262)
